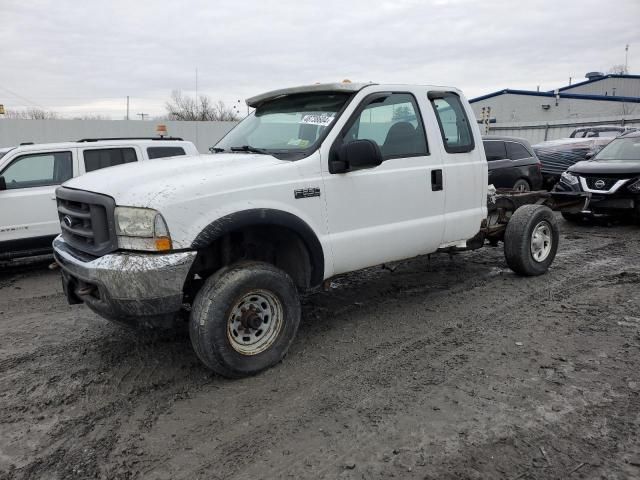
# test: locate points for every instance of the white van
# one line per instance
(29, 175)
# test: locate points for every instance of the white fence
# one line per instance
(537, 132)
(14, 132)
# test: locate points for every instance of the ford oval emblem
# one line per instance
(600, 184)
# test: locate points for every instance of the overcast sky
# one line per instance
(85, 57)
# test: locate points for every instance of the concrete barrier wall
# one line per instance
(14, 132)
(537, 132)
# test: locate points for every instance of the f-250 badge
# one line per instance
(306, 192)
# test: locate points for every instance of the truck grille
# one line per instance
(86, 221)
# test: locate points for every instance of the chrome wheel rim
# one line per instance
(522, 187)
(541, 241)
(254, 322)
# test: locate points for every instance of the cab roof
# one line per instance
(348, 87)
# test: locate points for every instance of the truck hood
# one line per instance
(142, 184)
(607, 167)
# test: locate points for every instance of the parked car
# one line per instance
(583, 143)
(318, 181)
(30, 173)
(606, 131)
(612, 178)
(512, 163)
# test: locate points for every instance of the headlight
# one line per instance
(141, 229)
(569, 178)
(634, 187)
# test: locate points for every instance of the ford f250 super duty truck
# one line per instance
(318, 181)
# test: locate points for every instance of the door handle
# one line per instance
(436, 180)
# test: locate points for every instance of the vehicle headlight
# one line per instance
(141, 229)
(569, 178)
(634, 187)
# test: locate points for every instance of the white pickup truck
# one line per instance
(318, 181)
(30, 173)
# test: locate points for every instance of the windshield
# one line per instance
(287, 125)
(621, 149)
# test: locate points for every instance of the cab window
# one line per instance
(162, 152)
(394, 123)
(452, 119)
(107, 157)
(38, 170)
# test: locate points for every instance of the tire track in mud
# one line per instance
(395, 355)
(443, 361)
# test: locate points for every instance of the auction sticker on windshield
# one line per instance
(322, 119)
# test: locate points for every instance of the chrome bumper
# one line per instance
(134, 288)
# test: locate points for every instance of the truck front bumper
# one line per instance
(137, 289)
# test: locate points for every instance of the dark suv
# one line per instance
(512, 163)
(612, 177)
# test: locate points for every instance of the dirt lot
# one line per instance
(442, 368)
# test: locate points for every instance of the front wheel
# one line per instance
(244, 319)
(531, 240)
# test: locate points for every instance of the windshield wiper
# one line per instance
(216, 149)
(249, 148)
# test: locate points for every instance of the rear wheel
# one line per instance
(521, 185)
(531, 240)
(244, 319)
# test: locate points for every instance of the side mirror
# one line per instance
(3, 183)
(355, 156)
(589, 155)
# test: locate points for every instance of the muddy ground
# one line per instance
(442, 368)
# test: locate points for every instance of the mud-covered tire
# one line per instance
(531, 240)
(215, 312)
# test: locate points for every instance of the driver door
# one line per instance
(391, 211)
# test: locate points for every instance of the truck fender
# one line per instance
(266, 216)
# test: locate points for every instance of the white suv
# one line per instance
(29, 175)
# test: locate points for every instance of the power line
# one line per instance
(21, 97)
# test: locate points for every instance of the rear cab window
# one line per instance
(457, 135)
(162, 152)
(96, 159)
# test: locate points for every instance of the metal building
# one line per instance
(599, 96)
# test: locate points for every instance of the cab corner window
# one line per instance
(454, 124)
(107, 157)
(394, 123)
(38, 170)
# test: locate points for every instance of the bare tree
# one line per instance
(184, 107)
(31, 114)
(618, 70)
(92, 116)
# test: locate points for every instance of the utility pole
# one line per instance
(626, 59)
(142, 115)
(127, 107)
